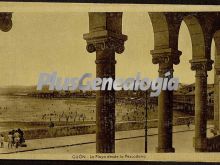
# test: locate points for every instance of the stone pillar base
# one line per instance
(200, 150)
(199, 144)
(162, 150)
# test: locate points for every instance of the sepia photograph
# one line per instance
(127, 82)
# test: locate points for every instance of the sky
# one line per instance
(53, 41)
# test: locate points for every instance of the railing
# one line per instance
(71, 130)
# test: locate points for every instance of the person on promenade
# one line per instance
(51, 125)
(22, 140)
(17, 138)
(2, 138)
(13, 137)
(188, 124)
(10, 140)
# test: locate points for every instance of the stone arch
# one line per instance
(197, 37)
(161, 31)
(166, 28)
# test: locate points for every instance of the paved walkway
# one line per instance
(126, 141)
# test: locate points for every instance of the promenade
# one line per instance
(126, 142)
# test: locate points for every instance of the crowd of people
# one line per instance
(65, 116)
(14, 138)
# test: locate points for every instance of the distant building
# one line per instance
(184, 99)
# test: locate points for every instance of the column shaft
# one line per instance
(200, 111)
(201, 66)
(145, 124)
(165, 118)
(105, 103)
(216, 98)
(216, 102)
(165, 58)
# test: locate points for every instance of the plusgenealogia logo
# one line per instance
(86, 83)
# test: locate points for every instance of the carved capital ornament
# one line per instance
(166, 56)
(201, 66)
(107, 41)
(5, 21)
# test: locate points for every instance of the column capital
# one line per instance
(201, 66)
(166, 56)
(105, 32)
(5, 21)
(104, 39)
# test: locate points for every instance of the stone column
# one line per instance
(216, 97)
(105, 38)
(201, 66)
(165, 58)
(5, 22)
(145, 124)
